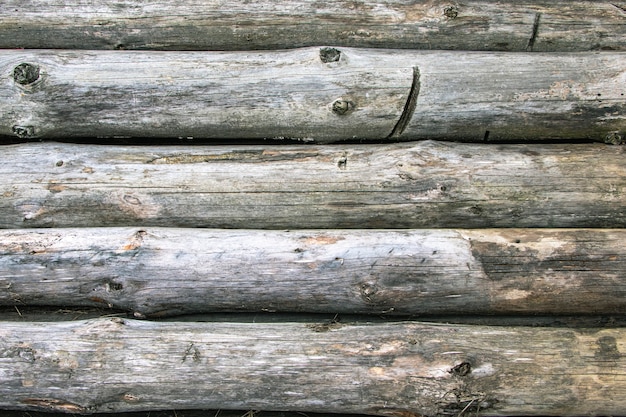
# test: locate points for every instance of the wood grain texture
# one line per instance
(484, 96)
(401, 369)
(538, 25)
(162, 271)
(365, 94)
(210, 94)
(412, 185)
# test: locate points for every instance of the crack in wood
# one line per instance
(620, 8)
(409, 107)
(53, 404)
(533, 35)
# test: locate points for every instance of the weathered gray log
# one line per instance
(481, 97)
(161, 271)
(425, 184)
(209, 94)
(401, 369)
(314, 94)
(539, 25)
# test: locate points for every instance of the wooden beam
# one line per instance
(162, 271)
(411, 185)
(400, 369)
(538, 25)
(314, 94)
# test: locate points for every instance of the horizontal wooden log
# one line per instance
(314, 94)
(412, 185)
(161, 271)
(401, 369)
(539, 25)
(219, 94)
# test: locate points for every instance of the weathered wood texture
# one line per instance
(218, 94)
(425, 184)
(401, 369)
(366, 94)
(160, 271)
(538, 25)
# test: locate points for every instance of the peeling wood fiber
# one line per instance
(242, 25)
(411, 185)
(365, 94)
(400, 369)
(164, 271)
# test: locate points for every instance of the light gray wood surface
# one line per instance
(278, 94)
(485, 96)
(402, 369)
(538, 25)
(294, 95)
(163, 271)
(411, 185)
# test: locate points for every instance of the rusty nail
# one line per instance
(26, 73)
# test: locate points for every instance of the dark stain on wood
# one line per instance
(607, 349)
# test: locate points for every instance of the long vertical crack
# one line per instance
(533, 35)
(409, 107)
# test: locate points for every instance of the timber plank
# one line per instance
(399, 369)
(411, 185)
(163, 271)
(304, 95)
(538, 25)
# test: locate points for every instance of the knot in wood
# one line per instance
(26, 73)
(368, 290)
(342, 107)
(451, 12)
(23, 132)
(461, 369)
(328, 55)
(614, 138)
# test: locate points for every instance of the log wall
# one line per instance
(333, 251)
